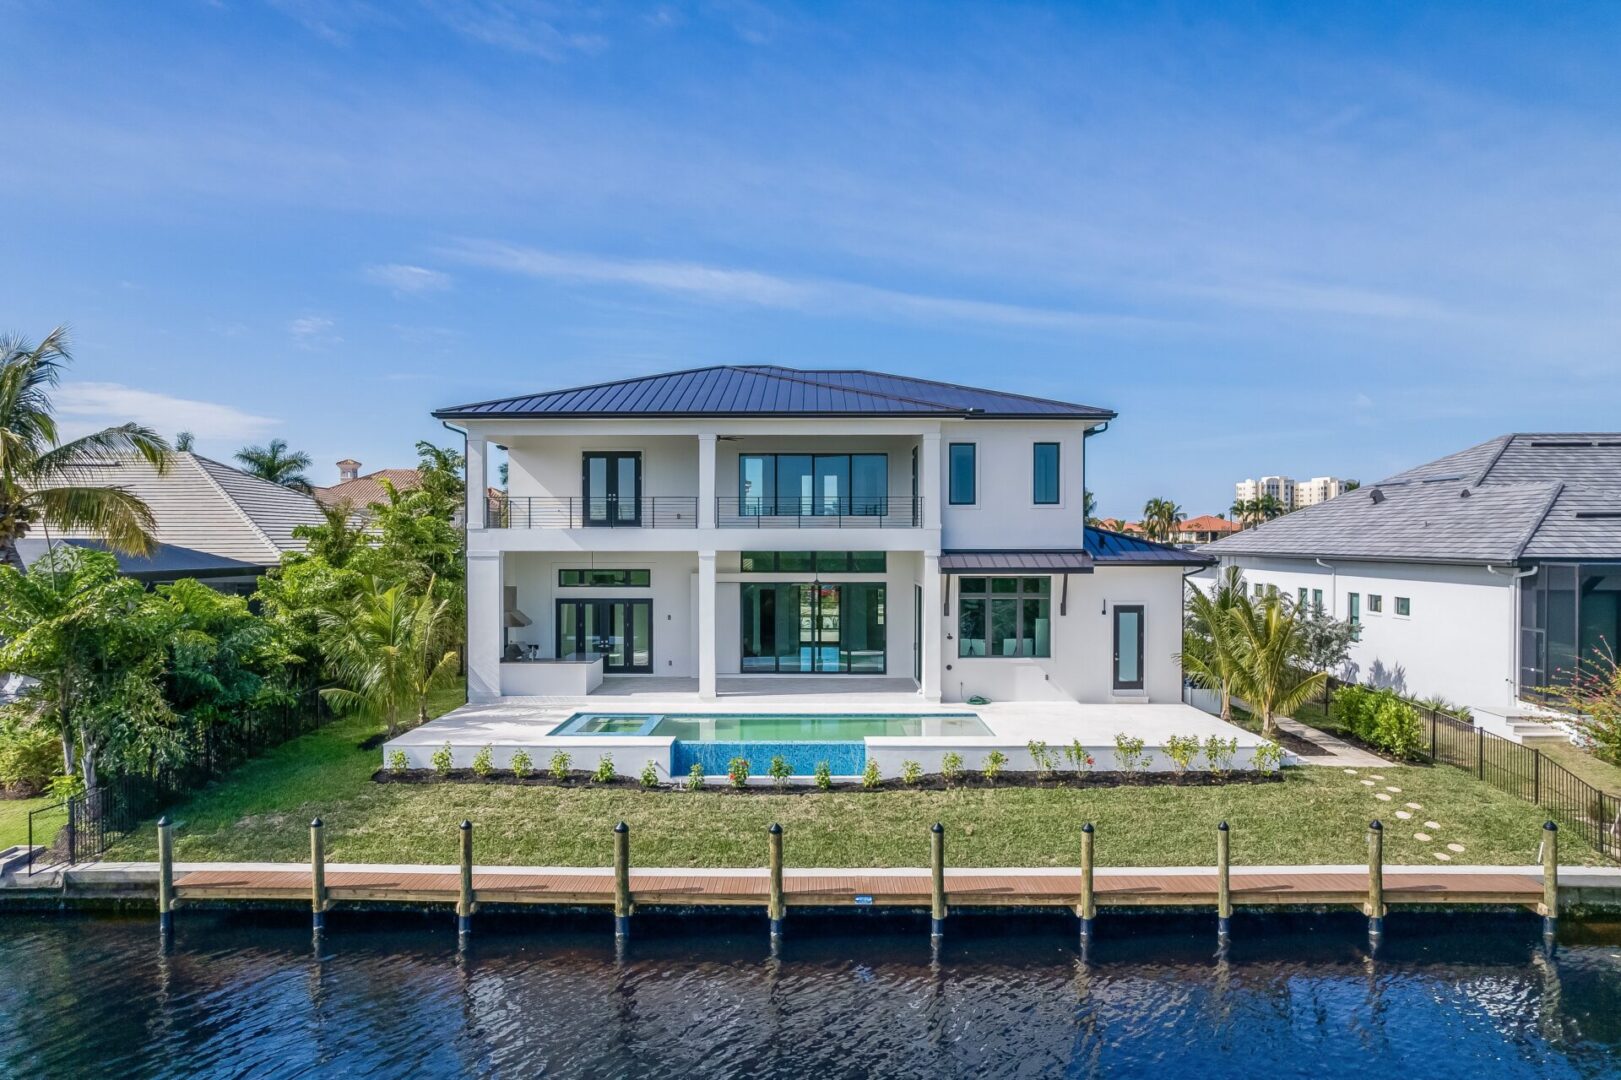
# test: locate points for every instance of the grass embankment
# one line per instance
(262, 810)
(1601, 774)
(14, 819)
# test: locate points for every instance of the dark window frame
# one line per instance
(973, 474)
(978, 593)
(585, 583)
(1057, 498)
(1142, 667)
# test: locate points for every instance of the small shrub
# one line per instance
(1396, 729)
(66, 787)
(780, 771)
(1042, 758)
(1268, 757)
(30, 754)
(695, 777)
(398, 762)
(951, 767)
(993, 766)
(824, 776)
(650, 775)
(1129, 755)
(522, 764)
(1182, 749)
(911, 773)
(1219, 754)
(562, 764)
(484, 762)
(870, 776)
(737, 771)
(444, 760)
(605, 770)
(1079, 760)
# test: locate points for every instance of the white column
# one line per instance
(706, 625)
(478, 479)
(933, 622)
(706, 480)
(929, 487)
(483, 625)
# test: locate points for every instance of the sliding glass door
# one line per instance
(808, 485)
(810, 628)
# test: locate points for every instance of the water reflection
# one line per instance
(246, 995)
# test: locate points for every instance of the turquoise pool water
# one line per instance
(772, 727)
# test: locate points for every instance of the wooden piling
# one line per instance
(622, 906)
(1550, 879)
(1088, 909)
(1375, 907)
(937, 880)
(317, 875)
(465, 904)
(165, 876)
(776, 908)
(1224, 893)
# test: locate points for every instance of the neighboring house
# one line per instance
(1481, 576)
(214, 523)
(763, 521)
(358, 492)
(1205, 529)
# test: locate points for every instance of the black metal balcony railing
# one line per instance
(828, 512)
(608, 512)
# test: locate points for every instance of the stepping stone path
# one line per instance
(1381, 796)
(1455, 847)
(1414, 806)
(1393, 790)
(1407, 814)
(1423, 837)
(1432, 824)
(1403, 814)
(1376, 776)
(1443, 856)
(1367, 783)
(1350, 772)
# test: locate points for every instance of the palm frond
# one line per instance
(111, 514)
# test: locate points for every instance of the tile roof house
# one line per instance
(1205, 529)
(359, 491)
(1481, 576)
(213, 522)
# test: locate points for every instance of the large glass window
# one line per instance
(813, 484)
(826, 562)
(809, 627)
(606, 578)
(1004, 617)
(962, 482)
(1046, 474)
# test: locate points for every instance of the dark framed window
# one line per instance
(1353, 611)
(1404, 606)
(1317, 599)
(831, 562)
(1376, 603)
(605, 579)
(1004, 617)
(1046, 474)
(1302, 597)
(961, 483)
(812, 484)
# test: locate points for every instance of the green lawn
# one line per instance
(1601, 774)
(14, 820)
(1318, 815)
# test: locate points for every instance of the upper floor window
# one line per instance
(962, 481)
(841, 562)
(1046, 474)
(812, 484)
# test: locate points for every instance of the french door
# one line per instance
(612, 486)
(620, 631)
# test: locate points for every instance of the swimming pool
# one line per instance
(804, 740)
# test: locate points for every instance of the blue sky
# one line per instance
(1293, 238)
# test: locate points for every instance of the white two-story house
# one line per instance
(721, 526)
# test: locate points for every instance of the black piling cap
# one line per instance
(316, 824)
(775, 830)
(937, 828)
(621, 828)
(1376, 825)
(1087, 827)
(1550, 826)
(466, 825)
(1222, 826)
(163, 822)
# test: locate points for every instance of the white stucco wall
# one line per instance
(1006, 514)
(1458, 642)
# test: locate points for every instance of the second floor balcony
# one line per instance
(683, 512)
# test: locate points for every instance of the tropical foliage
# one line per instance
(40, 476)
(277, 464)
(386, 648)
(1161, 519)
(1381, 719)
(1249, 512)
(1209, 652)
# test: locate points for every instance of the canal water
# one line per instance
(384, 996)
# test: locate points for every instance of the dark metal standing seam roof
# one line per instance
(1122, 549)
(767, 390)
(1103, 548)
(1003, 562)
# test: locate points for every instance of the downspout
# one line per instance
(1085, 435)
(1333, 588)
(1515, 577)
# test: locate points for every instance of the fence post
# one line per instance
(1550, 880)
(1435, 725)
(622, 908)
(775, 908)
(317, 876)
(165, 877)
(73, 833)
(1376, 882)
(937, 881)
(1224, 895)
(1536, 776)
(1480, 752)
(1089, 906)
(465, 905)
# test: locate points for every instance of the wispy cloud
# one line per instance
(403, 278)
(522, 26)
(731, 285)
(313, 331)
(89, 406)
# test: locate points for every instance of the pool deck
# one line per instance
(516, 723)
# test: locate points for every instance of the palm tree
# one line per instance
(1269, 507)
(386, 650)
(1268, 642)
(1161, 518)
(184, 441)
(39, 473)
(1210, 655)
(276, 464)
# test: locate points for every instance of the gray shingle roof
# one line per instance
(203, 506)
(1520, 497)
(769, 390)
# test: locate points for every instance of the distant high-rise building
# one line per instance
(1281, 488)
(1318, 489)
